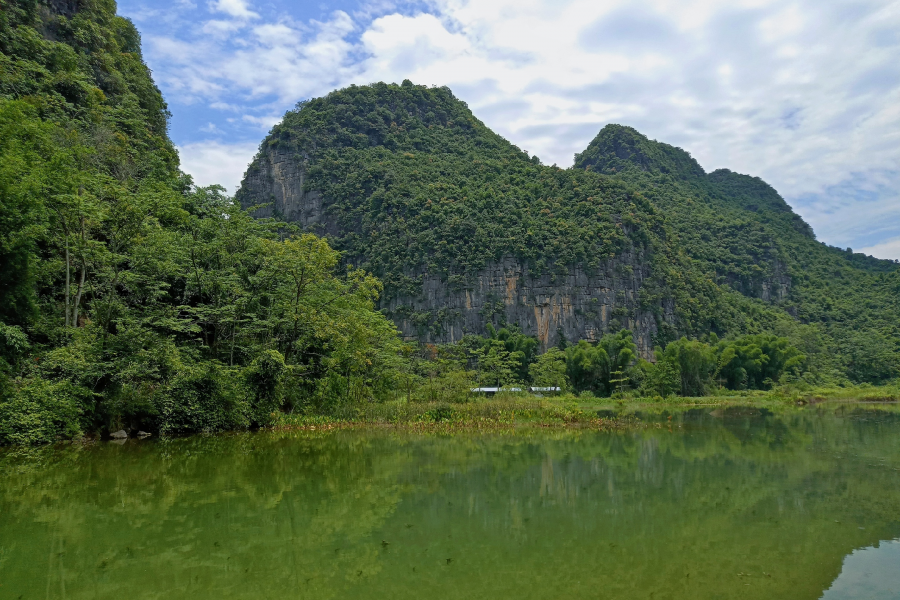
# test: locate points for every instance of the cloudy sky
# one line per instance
(804, 94)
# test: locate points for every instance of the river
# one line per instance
(736, 503)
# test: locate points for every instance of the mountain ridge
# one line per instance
(697, 238)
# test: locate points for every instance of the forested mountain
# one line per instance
(737, 229)
(131, 298)
(462, 227)
(466, 229)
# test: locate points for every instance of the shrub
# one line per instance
(662, 379)
(41, 412)
(205, 397)
(265, 378)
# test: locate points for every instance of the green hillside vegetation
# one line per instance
(740, 232)
(130, 298)
(420, 183)
(418, 186)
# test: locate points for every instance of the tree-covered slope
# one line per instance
(87, 111)
(410, 185)
(414, 182)
(464, 228)
(738, 229)
(129, 297)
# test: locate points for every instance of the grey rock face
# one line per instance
(278, 181)
(576, 304)
(774, 287)
(66, 8)
(119, 435)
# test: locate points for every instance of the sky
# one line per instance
(804, 94)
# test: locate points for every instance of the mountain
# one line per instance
(742, 233)
(465, 229)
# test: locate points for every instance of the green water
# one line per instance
(733, 504)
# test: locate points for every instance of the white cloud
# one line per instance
(805, 95)
(888, 249)
(234, 8)
(221, 29)
(213, 162)
(266, 121)
(279, 60)
(225, 106)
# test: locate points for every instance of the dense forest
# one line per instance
(129, 297)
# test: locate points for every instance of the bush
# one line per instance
(662, 379)
(871, 357)
(205, 398)
(13, 344)
(265, 377)
(40, 412)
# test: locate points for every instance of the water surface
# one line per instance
(733, 504)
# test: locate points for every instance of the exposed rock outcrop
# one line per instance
(277, 180)
(576, 305)
(550, 305)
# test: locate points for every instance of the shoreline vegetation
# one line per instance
(508, 411)
(521, 411)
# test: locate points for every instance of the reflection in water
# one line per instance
(869, 574)
(739, 504)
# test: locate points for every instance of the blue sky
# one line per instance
(804, 94)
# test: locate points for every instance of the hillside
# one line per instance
(462, 227)
(465, 229)
(740, 230)
(132, 299)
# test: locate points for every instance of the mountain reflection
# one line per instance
(728, 504)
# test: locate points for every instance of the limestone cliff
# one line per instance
(465, 229)
(578, 303)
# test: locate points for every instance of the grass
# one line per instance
(502, 412)
(516, 411)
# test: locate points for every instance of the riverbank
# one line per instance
(517, 410)
(521, 411)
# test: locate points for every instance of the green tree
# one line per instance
(549, 370)
(496, 365)
(871, 356)
(662, 378)
(693, 360)
(586, 365)
(601, 368)
(756, 361)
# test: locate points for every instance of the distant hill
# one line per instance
(466, 229)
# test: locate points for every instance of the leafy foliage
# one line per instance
(696, 367)
(741, 235)
(549, 370)
(597, 368)
(414, 185)
(418, 185)
(131, 298)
